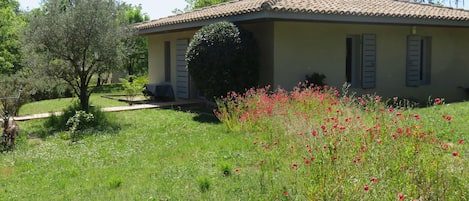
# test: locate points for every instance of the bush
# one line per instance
(133, 86)
(99, 121)
(10, 88)
(221, 58)
(46, 89)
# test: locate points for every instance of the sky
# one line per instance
(154, 8)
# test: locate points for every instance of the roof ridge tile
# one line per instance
(267, 5)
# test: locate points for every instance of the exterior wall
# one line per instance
(263, 32)
(302, 48)
(156, 54)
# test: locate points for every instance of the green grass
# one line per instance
(57, 105)
(164, 154)
(157, 155)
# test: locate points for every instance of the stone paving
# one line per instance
(116, 109)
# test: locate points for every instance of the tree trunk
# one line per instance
(84, 98)
(100, 80)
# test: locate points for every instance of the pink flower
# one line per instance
(437, 101)
(401, 196)
(366, 188)
(336, 93)
(455, 154)
(461, 141)
(374, 180)
(285, 193)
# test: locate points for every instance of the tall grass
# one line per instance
(318, 144)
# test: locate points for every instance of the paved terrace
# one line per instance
(116, 109)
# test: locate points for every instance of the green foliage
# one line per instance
(195, 4)
(10, 87)
(115, 183)
(204, 184)
(135, 60)
(74, 41)
(76, 124)
(99, 120)
(11, 22)
(133, 86)
(221, 58)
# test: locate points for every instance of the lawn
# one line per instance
(164, 154)
(97, 99)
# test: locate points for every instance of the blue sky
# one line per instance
(154, 8)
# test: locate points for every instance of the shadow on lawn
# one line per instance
(204, 113)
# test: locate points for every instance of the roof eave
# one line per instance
(308, 17)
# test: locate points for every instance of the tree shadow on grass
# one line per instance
(204, 114)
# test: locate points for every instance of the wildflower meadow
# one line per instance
(319, 143)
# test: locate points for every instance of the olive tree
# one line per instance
(74, 40)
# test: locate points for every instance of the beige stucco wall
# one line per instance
(156, 73)
(264, 34)
(305, 47)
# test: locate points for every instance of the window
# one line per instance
(360, 68)
(418, 60)
(167, 61)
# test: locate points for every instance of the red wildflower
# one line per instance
(275, 143)
(417, 117)
(447, 117)
(374, 180)
(294, 166)
(437, 101)
(308, 162)
(401, 196)
(314, 133)
(366, 188)
(324, 128)
(461, 141)
(456, 154)
(237, 170)
(285, 193)
(312, 159)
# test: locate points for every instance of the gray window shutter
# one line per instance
(369, 61)
(182, 74)
(413, 66)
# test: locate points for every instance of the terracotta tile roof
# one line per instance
(365, 8)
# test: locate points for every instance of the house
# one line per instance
(388, 47)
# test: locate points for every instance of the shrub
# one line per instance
(47, 88)
(10, 88)
(133, 86)
(58, 123)
(221, 58)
